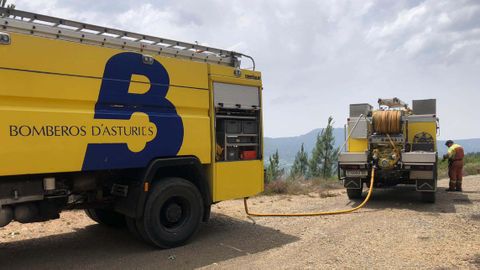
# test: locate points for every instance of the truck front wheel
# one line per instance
(173, 212)
(106, 217)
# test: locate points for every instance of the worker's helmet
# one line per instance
(449, 142)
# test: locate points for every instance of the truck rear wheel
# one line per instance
(173, 212)
(428, 197)
(354, 193)
(106, 217)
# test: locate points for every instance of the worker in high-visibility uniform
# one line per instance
(455, 156)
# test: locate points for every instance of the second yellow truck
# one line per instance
(398, 141)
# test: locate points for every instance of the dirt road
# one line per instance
(394, 231)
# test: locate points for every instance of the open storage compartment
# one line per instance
(237, 135)
(237, 122)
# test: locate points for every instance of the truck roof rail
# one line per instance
(58, 28)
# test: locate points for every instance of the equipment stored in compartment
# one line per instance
(248, 154)
(233, 126)
(249, 127)
(237, 133)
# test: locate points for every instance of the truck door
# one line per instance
(238, 141)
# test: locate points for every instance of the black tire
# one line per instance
(354, 193)
(173, 212)
(428, 197)
(132, 227)
(136, 228)
(106, 217)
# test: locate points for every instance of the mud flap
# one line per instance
(352, 183)
(426, 185)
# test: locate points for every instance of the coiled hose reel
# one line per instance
(387, 122)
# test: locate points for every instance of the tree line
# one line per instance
(321, 163)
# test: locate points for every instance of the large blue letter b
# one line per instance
(115, 102)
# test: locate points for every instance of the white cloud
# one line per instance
(432, 29)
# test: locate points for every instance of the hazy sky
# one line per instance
(316, 56)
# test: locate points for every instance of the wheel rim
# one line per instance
(174, 213)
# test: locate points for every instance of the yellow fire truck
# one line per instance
(135, 129)
(399, 141)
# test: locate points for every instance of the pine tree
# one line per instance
(324, 156)
(329, 156)
(314, 162)
(273, 168)
(300, 165)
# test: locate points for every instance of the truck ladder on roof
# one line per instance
(51, 27)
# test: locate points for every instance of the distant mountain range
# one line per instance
(289, 146)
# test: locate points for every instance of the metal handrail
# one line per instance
(32, 23)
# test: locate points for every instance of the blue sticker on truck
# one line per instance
(115, 102)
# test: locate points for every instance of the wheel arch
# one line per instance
(187, 167)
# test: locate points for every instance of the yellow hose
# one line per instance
(317, 213)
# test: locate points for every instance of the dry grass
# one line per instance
(302, 187)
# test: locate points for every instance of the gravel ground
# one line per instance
(394, 231)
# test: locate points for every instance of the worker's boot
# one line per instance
(458, 186)
(452, 186)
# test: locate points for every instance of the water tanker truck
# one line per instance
(137, 130)
(399, 141)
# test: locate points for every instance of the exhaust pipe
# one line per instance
(6, 216)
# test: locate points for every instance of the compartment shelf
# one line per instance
(236, 117)
(243, 135)
(241, 144)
